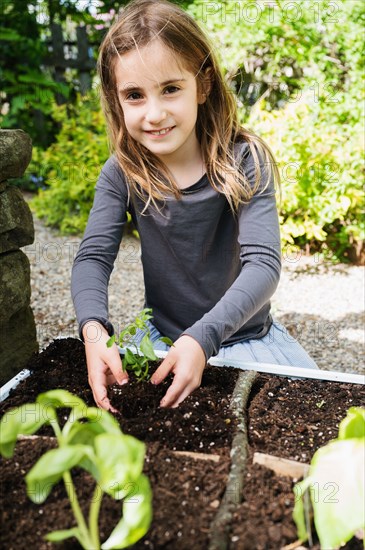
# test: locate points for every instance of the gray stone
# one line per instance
(18, 343)
(16, 220)
(15, 153)
(14, 284)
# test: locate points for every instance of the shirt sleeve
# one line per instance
(260, 257)
(94, 261)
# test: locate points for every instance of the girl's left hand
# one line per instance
(186, 359)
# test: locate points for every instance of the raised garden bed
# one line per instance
(286, 418)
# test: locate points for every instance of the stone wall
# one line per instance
(17, 327)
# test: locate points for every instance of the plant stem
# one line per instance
(81, 523)
(57, 430)
(94, 516)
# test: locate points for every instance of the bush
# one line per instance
(297, 68)
(71, 166)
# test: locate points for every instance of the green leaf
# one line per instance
(57, 536)
(298, 512)
(99, 421)
(129, 357)
(61, 398)
(353, 425)
(339, 506)
(146, 348)
(9, 35)
(136, 519)
(120, 461)
(50, 468)
(166, 340)
(24, 420)
(111, 341)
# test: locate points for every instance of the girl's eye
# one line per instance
(134, 96)
(172, 89)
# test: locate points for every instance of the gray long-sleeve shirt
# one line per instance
(207, 273)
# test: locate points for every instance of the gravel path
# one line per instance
(321, 304)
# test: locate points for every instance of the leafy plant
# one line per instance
(69, 167)
(137, 362)
(91, 439)
(336, 486)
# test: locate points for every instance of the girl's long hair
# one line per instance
(217, 128)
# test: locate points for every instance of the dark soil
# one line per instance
(201, 423)
(185, 498)
(263, 521)
(293, 418)
(287, 418)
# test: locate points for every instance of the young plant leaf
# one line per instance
(111, 341)
(24, 420)
(50, 468)
(136, 519)
(166, 340)
(94, 416)
(337, 486)
(120, 461)
(340, 503)
(353, 425)
(61, 398)
(298, 512)
(146, 348)
(129, 357)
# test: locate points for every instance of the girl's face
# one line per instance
(160, 102)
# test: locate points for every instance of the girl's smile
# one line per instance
(160, 102)
(160, 133)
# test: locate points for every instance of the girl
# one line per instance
(200, 190)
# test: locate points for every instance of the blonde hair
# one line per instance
(217, 126)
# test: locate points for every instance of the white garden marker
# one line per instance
(280, 370)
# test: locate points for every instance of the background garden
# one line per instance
(296, 67)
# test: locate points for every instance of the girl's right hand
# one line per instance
(104, 364)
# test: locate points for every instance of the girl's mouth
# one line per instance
(160, 133)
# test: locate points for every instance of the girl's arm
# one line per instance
(98, 250)
(260, 258)
(91, 272)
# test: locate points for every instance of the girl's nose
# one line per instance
(155, 112)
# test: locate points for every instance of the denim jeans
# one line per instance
(277, 347)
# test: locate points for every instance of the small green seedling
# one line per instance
(91, 439)
(336, 486)
(138, 361)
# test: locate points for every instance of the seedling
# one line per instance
(91, 439)
(336, 486)
(138, 361)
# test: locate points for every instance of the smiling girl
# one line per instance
(201, 192)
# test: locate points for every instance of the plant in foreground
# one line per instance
(336, 486)
(90, 439)
(137, 361)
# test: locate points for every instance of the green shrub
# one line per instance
(71, 165)
(297, 68)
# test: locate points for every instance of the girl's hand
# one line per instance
(186, 359)
(104, 364)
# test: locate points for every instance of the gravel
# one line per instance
(320, 303)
